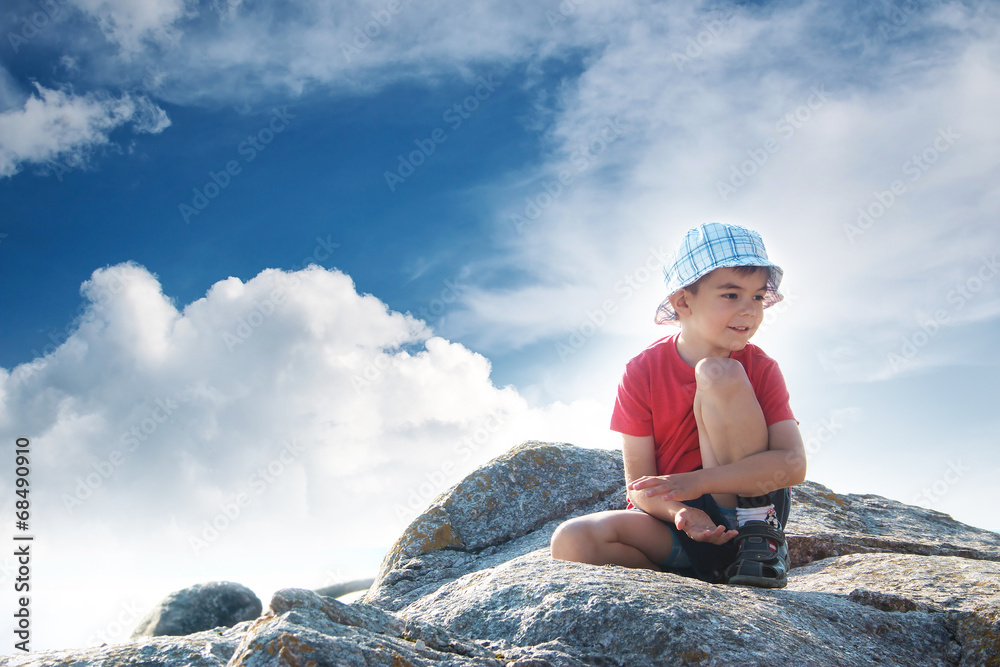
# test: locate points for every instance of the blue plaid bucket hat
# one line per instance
(712, 246)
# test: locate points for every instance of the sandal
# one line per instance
(762, 559)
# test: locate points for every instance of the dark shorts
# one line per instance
(708, 561)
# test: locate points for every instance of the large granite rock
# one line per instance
(614, 616)
(470, 582)
(507, 508)
(498, 583)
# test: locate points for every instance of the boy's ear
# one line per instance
(679, 300)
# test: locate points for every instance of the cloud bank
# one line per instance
(268, 408)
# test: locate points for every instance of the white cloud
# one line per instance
(131, 24)
(697, 99)
(286, 405)
(55, 125)
(228, 51)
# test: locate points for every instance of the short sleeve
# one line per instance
(772, 394)
(632, 414)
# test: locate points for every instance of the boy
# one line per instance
(709, 441)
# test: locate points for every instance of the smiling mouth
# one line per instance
(740, 329)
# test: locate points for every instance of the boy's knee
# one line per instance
(720, 373)
(569, 540)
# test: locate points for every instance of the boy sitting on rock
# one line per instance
(709, 441)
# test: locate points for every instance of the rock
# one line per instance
(304, 628)
(212, 648)
(336, 590)
(471, 582)
(617, 616)
(496, 581)
(824, 524)
(200, 607)
(964, 592)
(484, 521)
(506, 508)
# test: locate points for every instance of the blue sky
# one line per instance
(487, 192)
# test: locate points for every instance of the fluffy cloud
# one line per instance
(57, 126)
(289, 404)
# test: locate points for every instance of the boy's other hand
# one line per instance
(681, 486)
(700, 527)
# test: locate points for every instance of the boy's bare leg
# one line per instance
(730, 422)
(615, 537)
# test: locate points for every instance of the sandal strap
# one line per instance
(759, 529)
(758, 541)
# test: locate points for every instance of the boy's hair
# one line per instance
(741, 270)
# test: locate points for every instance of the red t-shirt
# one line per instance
(656, 397)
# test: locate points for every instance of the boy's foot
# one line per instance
(762, 559)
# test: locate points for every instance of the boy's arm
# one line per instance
(782, 464)
(639, 455)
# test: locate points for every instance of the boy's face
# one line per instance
(726, 311)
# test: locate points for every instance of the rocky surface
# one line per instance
(303, 628)
(823, 524)
(470, 582)
(614, 616)
(203, 649)
(200, 607)
(505, 509)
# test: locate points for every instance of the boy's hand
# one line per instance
(681, 486)
(700, 527)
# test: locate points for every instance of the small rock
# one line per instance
(198, 608)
